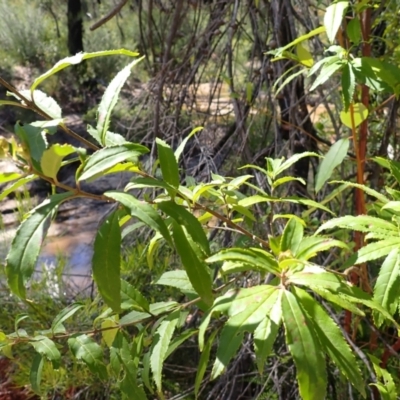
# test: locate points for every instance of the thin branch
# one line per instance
(109, 16)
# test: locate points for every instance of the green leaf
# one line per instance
(134, 295)
(76, 59)
(332, 159)
(66, 313)
(348, 85)
(106, 261)
(202, 366)
(333, 18)
(292, 236)
(310, 246)
(292, 160)
(375, 250)
(245, 321)
(197, 270)
(110, 98)
(17, 185)
(161, 342)
(86, 349)
(332, 340)
(177, 279)
(133, 317)
(326, 73)
(34, 138)
(366, 189)
(188, 220)
(387, 286)
(168, 163)
(52, 158)
(35, 375)
(388, 387)
(106, 158)
(139, 183)
(258, 258)
(9, 176)
(353, 30)
(181, 147)
(266, 333)
(360, 114)
(44, 102)
(304, 55)
(26, 244)
(142, 211)
(305, 349)
(46, 347)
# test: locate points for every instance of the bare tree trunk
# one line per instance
(75, 26)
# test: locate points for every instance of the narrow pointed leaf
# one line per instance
(372, 251)
(35, 375)
(348, 85)
(168, 163)
(305, 349)
(106, 261)
(189, 221)
(333, 18)
(110, 98)
(197, 270)
(16, 185)
(312, 245)
(76, 59)
(27, 242)
(387, 286)
(9, 176)
(142, 211)
(332, 340)
(103, 159)
(181, 147)
(266, 333)
(292, 236)
(326, 73)
(162, 340)
(134, 295)
(66, 313)
(202, 366)
(332, 159)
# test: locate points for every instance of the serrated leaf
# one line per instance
(110, 98)
(305, 349)
(375, 250)
(310, 246)
(46, 347)
(197, 270)
(202, 366)
(359, 112)
(177, 279)
(168, 163)
(106, 261)
(44, 102)
(388, 387)
(107, 157)
(17, 185)
(316, 277)
(332, 340)
(63, 315)
(76, 59)
(25, 247)
(189, 221)
(326, 73)
(333, 18)
(387, 286)
(134, 295)
(332, 159)
(175, 343)
(257, 258)
(133, 317)
(129, 385)
(142, 211)
(366, 189)
(108, 333)
(52, 158)
(161, 342)
(35, 375)
(292, 236)
(266, 333)
(304, 55)
(86, 349)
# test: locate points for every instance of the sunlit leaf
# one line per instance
(63, 315)
(354, 116)
(52, 158)
(168, 163)
(333, 18)
(46, 347)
